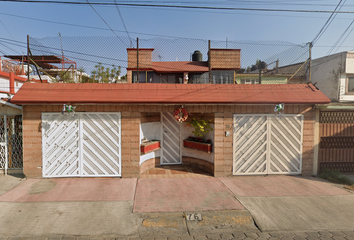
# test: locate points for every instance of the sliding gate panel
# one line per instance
(101, 144)
(83, 145)
(285, 153)
(60, 145)
(267, 144)
(250, 144)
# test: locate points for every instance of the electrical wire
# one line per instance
(340, 38)
(125, 27)
(183, 7)
(106, 23)
(327, 23)
(7, 30)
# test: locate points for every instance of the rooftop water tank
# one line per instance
(197, 56)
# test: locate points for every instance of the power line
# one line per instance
(7, 30)
(327, 23)
(180, 6)
(125, 27)
(106, 23)
(107, 29)
(341, 36)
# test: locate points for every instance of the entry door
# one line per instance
(267, 144)
(171, 140)
(87, 144)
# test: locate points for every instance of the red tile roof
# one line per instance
(154, 93)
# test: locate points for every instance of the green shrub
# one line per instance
(334, 177)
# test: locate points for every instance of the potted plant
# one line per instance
(201, 128)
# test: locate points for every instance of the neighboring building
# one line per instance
(9, 85)
(222, 63)
(222, 67)
(105, 136)
(334, 75)
(10, 124)
(50, 68)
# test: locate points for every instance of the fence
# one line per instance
(11, 156)
(103, 59)
(337, 141)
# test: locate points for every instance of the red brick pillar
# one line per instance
(130, 144)
(32, 141)
(223, 157)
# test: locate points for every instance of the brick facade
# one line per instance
(133, 115)
(144, 57)
(225, 58)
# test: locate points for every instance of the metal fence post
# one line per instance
(6, 145)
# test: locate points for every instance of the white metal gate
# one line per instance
(87, 144)
(171, 140)
(267, 144)
(11, 156)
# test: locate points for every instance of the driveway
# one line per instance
(291, 203)
(91, 206)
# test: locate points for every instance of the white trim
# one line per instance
(10, 104)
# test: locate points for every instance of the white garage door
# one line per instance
(84, 145)
(267, 144)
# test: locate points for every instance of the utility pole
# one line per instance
(137, 60)
(310, 47)
(28, 61)
(209, 58)
(260, 72)
(62, 52)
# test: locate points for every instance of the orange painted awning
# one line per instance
(156, 93)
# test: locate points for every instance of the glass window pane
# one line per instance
(351, 84)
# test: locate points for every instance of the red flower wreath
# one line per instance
(178, 117)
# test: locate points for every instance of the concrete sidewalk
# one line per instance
(174, 207)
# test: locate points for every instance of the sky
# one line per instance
(242, 20)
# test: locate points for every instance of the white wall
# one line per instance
(152, 131)
(4, 84)
(349, 64)
(18, 85)
(326, 72)
(331, 74)
(185, 133)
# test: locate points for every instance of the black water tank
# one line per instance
(197, 56)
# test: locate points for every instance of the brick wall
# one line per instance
(130, 144)
(144, 57)
(32, 141)
(132, 117)
(225, 58)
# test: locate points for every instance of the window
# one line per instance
(350, 85)
(249, 81)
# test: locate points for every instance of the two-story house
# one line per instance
(334, 75)
(221, 67)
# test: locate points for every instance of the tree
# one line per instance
(106, 75)
(64, 76)
(80, 70)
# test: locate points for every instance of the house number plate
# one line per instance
(194, 217)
